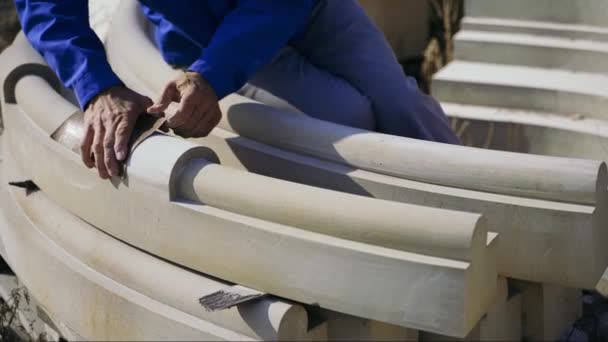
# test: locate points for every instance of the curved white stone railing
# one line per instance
(268, 319)
(570, 180)
(310, 261)
(540, 240)
(384, 223)
(114, 267)
(106, 309)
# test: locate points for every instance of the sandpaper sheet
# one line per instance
(70, 134)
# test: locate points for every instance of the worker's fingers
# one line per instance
(85, 146)
(208, 123)
(98, 151)
(164, 128)
(169, 95)
(109, 159)
(189, 101)
(122, 135)
(187, 130)
(184, 116)
(146, 102)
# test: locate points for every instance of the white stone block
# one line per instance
(548, 310)
(502, 322)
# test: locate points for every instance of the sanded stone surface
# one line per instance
(428, 231)
(107, 310)
(267, 318)
(512, 215)
(500, 172)
(547, 310)
(194, 248)
(517, 219)
(343, 327)
(346, 145)
(502, 322)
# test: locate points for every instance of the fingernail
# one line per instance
(120, 155)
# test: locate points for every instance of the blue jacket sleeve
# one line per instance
(59, 30)
(248, 38)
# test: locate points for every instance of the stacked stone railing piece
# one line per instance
(357, 255)
(343, 228)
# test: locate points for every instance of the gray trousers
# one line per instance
(344, 71)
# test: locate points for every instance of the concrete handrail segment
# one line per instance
(266, 319)
(21, 60)
(538, 240)
(133, 54)
(430, 231)
(571, 180)
(199, 233)
(108, 310)
(416, 230)
(453, 235)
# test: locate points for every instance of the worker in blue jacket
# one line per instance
(324, 58)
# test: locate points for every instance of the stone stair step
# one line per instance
(587, 12)
(540, 133)
(539, 28)
(531, 88)
(532, 50)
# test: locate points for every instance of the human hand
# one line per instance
(198, 111)
(109, 120)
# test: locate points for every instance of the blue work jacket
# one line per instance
(226, 41)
